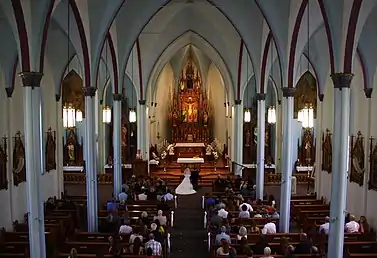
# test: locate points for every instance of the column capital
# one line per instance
(90, 91)
(57, 97)
(31, 79)
(9, 91)
(238, 101)
(261, 96)
(321, 96)
(288, 92)
(117, 97)
(368, 92)
(341, 80)
(142, 102)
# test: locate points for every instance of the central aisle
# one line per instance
(188, 235)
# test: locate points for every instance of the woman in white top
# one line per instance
(267, 253)
(242, 233)
(161, 218)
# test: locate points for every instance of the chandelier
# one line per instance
(247, 116)
(79, 116)
(306, 117)
(106, 115)
(69, 116)
(132, 115)
(271, 115)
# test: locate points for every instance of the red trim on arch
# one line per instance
(292, 52)
(114, 61)
(140, 68)
(14, 72)
(264, 61)
(84, 43)
(22, 35)
(44, 36)
(350, 39)
(239, 72)
(363, 68)
(328, 34)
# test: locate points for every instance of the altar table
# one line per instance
(189, 149)
(190, 144)
(193, 163)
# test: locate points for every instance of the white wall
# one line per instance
(13, 200)
(165, 85)
(216, 95)
(359, 121)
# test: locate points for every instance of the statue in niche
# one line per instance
(327, 152)
(71, 147)
(124, 136)
(205, 118)
(247, 138)
(357, 160)
(308, 147)
(3, 164)
(19, 169)
(50, 150)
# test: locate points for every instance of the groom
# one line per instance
(194, 178)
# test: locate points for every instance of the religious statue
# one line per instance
(19, 169)
(71, 147)
(3, 165)
(373, 166)
(184, 115)
(175, 118)
(247, 138)
(205, 118)
(124, 136)
(357, 159)
(308, 147)
(327, 152)
(50, 151)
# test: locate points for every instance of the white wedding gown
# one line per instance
(185, 188)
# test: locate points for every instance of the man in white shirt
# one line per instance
(142, 197)
(249, 208)
(269, 228)
(352, 226)
(324, 228)
(125, 230)
(244, 213)
(222, 212)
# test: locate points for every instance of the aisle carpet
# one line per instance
(188, 237)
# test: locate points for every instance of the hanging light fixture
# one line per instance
(132, 115)
(79, 116)
(307, 115)
(132, 112)
(106, 115)
(271, 115)
(69, 116)
(247, 116)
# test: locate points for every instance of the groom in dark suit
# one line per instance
(194, 178)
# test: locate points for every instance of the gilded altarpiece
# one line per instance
(189, 112)
(327, 151)
(372, 184)
(357, 156)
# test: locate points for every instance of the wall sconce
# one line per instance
(79, 116)
(247, 116)
(106, 115)
(271, 115)
(132, 115)
(69, 116)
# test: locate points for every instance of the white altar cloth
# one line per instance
(272, 166)
(189, 144)
(73, 168)
(304, 169)
(190, 160)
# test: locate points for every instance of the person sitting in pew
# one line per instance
(157, 235)
(163, 205)
(244, 247)
(168, 196)
(222, 235)
(272, 213)
(125, 229)
(248, 206)
(114, 247)
(324, 228)
(222, 212)
(290, 252)
(352, 226)
(136, 234)
(259, 247)
(122, 197)
(244, 213)
(149, 253)
(111, 205)
(305, 246)
(269, 228)
(364, 225)
(143, 196)
(315, 252)
(154, 245)
(242, 233)
(160, 217)
(136, 247)
(254, 228)
(224, 249)
(144, 223)
(112, 223)
(73, 253)
(267, 253)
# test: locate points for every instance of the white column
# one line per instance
(147, 137)
(318, 147)
(90, 160)
(117, 165)
(141, 128)
(33, 164)
(238, 137)
(261, 144)
(368, 94)
(287, 165)
(278, 137)
(339, 173)
(101, 139)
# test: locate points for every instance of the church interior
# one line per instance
(98, 93)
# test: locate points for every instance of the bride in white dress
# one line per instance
(185, 188)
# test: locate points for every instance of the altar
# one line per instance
(189, 149)
(192, 163)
